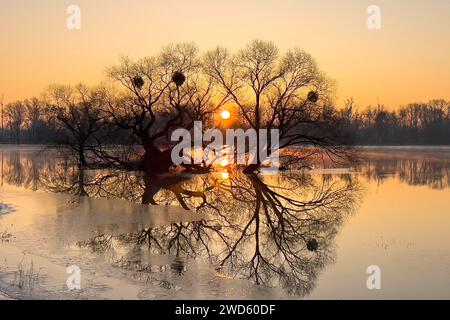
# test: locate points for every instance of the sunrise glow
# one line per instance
(224, 162)
(225, 115)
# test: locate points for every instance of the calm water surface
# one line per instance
(308, 235)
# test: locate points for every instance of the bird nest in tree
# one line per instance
(178, 78)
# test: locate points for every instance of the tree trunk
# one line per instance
(251, 168)
(156, 161)
(81, 157)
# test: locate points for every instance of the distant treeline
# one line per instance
(33, 121)
(413, 124)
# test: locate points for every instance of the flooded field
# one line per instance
(301, 234)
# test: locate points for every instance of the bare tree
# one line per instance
(15, 115)
(78, 112)
(162, 93)
(272, 91)
(33, 117)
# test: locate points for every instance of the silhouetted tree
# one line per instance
(272, 91)
(15, 117)
(34, 112)
(162, 93)
(78, 111)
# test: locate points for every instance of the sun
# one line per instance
(225, 114)
(224, 162)
(225, 175)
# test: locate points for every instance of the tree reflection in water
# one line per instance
(274, 230)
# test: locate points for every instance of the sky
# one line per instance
(407, 60)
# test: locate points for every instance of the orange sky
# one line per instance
(407, 60)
